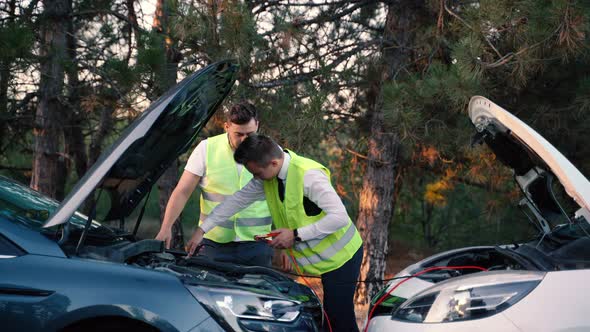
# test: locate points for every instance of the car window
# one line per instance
(21, 204)
(8, 249)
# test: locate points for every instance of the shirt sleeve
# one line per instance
(318, 189)
(196, 163)
(253, 191)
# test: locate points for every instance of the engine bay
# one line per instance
(490, 258)
(198, 270)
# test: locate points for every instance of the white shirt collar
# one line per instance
(283, 172)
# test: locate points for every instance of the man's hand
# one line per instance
(284, 239)
(194, 242)
(165, 234)
(285, 261)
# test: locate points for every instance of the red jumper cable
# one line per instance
(308, 285)
(382, 298)
(267, 238)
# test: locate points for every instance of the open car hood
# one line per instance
(132, 165)
(534, 160)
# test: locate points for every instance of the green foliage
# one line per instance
(19, 164)
(90, 5)
(368, 13)
(152, 56)
(400, 110)
(120, 73)
(582, 100)
(528, 56)
(296, 125)
(238, 30)
(107, 31)
(312, 84)
(16, 41)
(196, 27)
(467, 56)
(416, 106)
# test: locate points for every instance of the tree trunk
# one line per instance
(5, 77)
(48, 163)
(165, 80)
(376, 204)
(74, 145)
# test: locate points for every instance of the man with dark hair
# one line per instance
(310, 220)
(211, 165)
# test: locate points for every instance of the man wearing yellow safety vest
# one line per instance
(309, 218)
(212, 166)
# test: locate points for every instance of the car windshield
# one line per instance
(21, 204)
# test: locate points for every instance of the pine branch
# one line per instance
(14, 168)
(324, 17)
(298, 78)
(311, 52)
(278, 3)
(121, 17)
(21, 104)
(503, 59)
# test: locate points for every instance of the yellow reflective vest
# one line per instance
(315, 256)
(222, 180)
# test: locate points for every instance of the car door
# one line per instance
(22, 307)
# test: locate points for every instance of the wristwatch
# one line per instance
(296, 235)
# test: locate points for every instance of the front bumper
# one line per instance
(494, 323)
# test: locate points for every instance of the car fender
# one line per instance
(110, 311)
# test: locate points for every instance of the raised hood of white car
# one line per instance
(532, 150)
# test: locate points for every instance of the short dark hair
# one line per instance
(241, 113)
(259, 149)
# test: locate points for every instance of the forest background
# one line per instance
(375, 90)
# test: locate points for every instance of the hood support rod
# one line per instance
(140, 216)
(91, 216)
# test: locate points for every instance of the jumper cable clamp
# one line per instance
(266, 238)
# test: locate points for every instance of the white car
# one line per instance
(541, 285)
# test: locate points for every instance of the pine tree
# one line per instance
(49, 171)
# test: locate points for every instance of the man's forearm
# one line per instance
(221, 213)
(253, 191)
(323, 227)
(174, 207)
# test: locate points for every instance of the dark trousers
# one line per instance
(243, 253)
(339, 287)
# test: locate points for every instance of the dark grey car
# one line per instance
(61, 270)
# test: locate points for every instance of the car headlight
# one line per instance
(469, 297)
(236, 307)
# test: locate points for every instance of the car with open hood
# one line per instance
(61, 270)
(539, 285)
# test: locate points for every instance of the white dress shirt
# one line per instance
(316, 187)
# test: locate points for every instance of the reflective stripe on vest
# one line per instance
(222, 181)
(242, 222)
(315, 256)
(327, 253)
